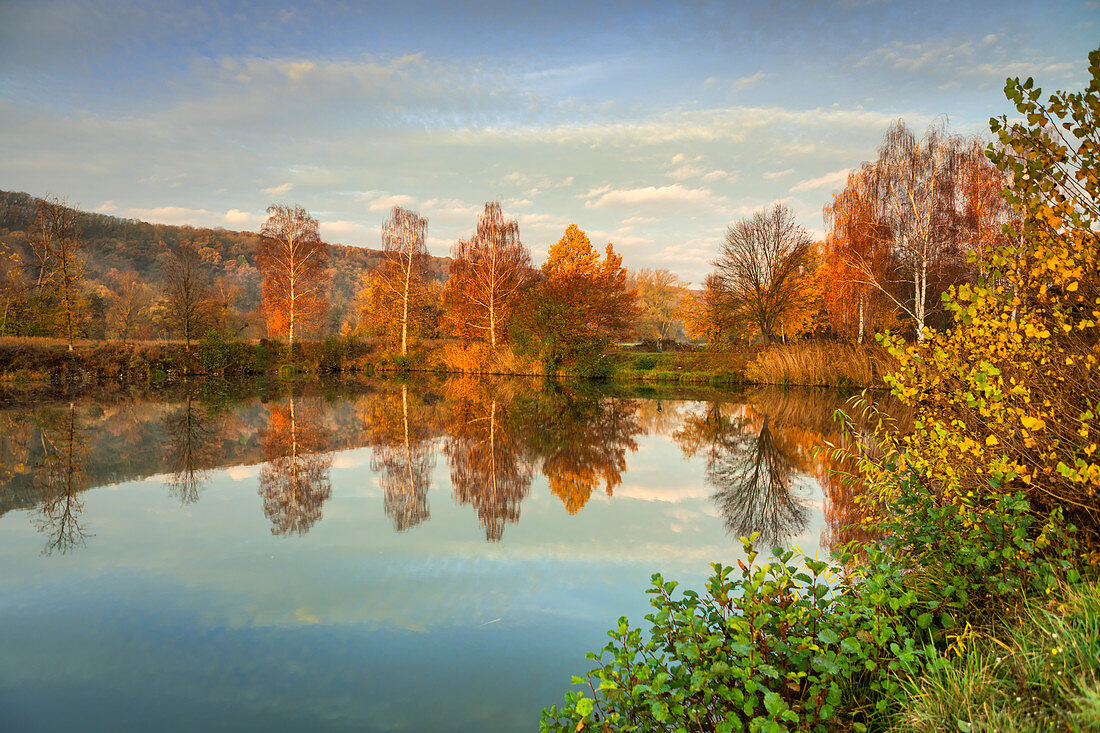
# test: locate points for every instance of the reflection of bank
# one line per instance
(61, 476)
(295, 481)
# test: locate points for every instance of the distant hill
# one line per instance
(113, 245)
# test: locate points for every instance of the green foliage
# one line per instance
(791, 644)
(214, 353)
(1040, 673)
(645, 363)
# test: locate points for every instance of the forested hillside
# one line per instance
(124, 256)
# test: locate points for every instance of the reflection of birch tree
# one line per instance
(403, 459)
(189, 447)
(61, 476)
(295, 480)
(488, 469)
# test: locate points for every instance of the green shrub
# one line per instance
(645, 363)
(791, 644)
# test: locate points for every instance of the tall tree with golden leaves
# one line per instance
(487, 274)
(292, 259)
(402, 272)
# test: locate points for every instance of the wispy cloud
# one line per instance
(648, 196)
(829, 180)
(747, 81)
(281, 190)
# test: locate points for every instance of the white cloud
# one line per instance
(107, 207)
(747, 81)
(281, 190)
(171, 215)
(829, 180)
(648, 196)
(377, 201)
(340, 231)
(237, 217)
(771, 175)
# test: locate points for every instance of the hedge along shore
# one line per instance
(809, 363)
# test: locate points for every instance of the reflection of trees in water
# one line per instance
(60, 477)
(401, 455)
(488, 468)
(295, 480)
(755, 453)
(754, 477)
(189, 449)
(582, 441)
(753, 465)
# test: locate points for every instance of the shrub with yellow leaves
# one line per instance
(1006, 400)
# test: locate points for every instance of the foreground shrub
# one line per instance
(790, 644)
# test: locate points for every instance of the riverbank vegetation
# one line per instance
(971, 604)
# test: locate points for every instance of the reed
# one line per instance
(821, 364)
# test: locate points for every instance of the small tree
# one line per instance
(763, 265)
(187, 292)
(292, 259)
(55, 240)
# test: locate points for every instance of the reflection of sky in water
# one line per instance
(197, 616)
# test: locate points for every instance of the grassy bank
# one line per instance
(818, 364)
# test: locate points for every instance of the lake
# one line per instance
(372, 556)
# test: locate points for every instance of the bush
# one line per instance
(646, 362)
(794, 643)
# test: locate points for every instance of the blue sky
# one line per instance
(653, 126)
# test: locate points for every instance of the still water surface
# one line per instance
(378, 556)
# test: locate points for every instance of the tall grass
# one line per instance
(1041, 673)
(484, 359)
(822, 364)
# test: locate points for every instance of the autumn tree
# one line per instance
(487, 274)
(13, 287)
(293, 260)
(706, 314)
(764, 266)
(187, 292)
(55, 241)
(396, 298)
(580, 302)
(858, 260)
(128, 303)
(659, 294)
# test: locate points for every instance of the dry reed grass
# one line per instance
(821, 364)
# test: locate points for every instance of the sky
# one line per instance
(651, 126)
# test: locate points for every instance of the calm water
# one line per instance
(375, 557)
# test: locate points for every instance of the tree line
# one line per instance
(905, 227)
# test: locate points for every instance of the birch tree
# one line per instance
(292, 259)
(487, 274)
(402, 272)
